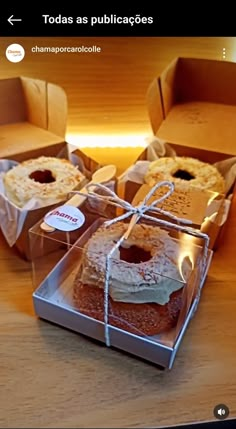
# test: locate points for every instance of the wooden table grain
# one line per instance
(51, 377)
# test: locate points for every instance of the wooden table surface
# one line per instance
(50, 377)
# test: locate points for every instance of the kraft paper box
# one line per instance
(33, 117)
(192, 110)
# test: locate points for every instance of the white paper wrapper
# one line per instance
(12, 218)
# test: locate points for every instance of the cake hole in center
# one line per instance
(134, 254)
(42, 176)
(184, 175)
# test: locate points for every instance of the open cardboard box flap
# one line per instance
(33, 120)
(33, 114)
(193, 103)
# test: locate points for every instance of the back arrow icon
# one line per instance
(11, 20)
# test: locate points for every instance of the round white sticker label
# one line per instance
(15, 53)
(65, 218)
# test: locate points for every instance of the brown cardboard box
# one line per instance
(192, 107)
(33, 116)
(193, 104)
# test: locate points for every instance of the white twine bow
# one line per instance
(138, 212)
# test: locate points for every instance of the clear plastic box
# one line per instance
(75, 288)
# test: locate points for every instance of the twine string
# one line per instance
(137, 212)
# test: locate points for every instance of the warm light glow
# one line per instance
(107, 140)
(208, 221)
(215, 205)
(186, 255)
(213, 197)
(232, 57)
(210, 218)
